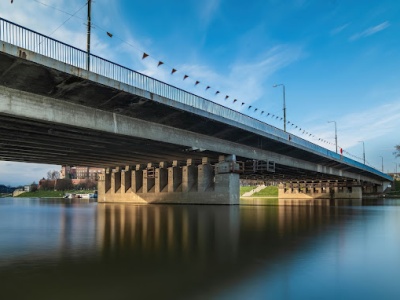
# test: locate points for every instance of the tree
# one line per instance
(90, 184)
(53, 175)
(397, 152)
(46, 185)
(34, 187)
(64, 184)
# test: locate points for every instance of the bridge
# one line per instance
(156, 141)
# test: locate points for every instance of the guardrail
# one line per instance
(33, 41)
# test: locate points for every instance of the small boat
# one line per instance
(81, 196)
(69, 196)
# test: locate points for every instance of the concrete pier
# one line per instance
(192, 183)
(320, 193)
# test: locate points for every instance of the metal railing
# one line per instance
(36, 42)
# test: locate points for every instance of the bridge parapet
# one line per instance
(193, 183)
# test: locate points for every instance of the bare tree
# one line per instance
(397, 152)
(53, 175)
(90, 184)
(64, 184)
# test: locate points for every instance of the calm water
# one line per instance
(63, 249)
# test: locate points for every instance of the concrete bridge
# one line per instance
(158, 143)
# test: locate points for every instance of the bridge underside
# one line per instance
(32, 141)
(29, 134)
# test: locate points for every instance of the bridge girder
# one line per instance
(88, 119)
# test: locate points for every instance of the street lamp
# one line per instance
(335, 133)
(382, 162)
(363, 150)
(284, 104)
(89, 27)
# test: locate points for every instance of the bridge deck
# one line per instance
(27, 140)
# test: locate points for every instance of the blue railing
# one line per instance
(33, 41)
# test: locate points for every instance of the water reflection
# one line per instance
(187, 233)
(61, 250)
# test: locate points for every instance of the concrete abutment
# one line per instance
(192, 183)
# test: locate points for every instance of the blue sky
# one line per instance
(339, 60)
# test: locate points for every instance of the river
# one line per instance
(77, 249)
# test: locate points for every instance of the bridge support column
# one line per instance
(126, 179)
(161, 180)
(205, 175)
(189, 177)
(115, 180)
(137, 179)
(174, 178)
(107, 180)
(149, 179)
(103, 185)
(319, 193)
(201, 184)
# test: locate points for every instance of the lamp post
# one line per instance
(363, 150)
(382, 162)
(284, 104)
(89, 26)
(335, 133)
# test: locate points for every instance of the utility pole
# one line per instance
(284, 104)
(89, 27)
(363, 150)
(335, 133)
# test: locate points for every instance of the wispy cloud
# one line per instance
(208, 11)
(365, 125)
(371, 123)
(244, 80)
(370, 31)
(339, 29)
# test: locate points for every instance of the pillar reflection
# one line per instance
(170, 231)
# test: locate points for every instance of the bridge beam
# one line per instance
(30, 106)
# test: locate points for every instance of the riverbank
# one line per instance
(52, 194)
(5, 195)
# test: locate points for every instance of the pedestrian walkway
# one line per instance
(253, 191)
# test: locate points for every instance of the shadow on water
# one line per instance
(82, 250)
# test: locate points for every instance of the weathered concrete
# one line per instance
(319, 193)
(164, 187)
(70, 107)
(175, 178)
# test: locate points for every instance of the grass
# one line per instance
(245, 189)
(269, 191)
(55, 194)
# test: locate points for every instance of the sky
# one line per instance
(338, 59)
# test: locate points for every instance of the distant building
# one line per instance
(80, 172)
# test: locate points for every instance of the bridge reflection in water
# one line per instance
(60, 250)
(186, 251)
